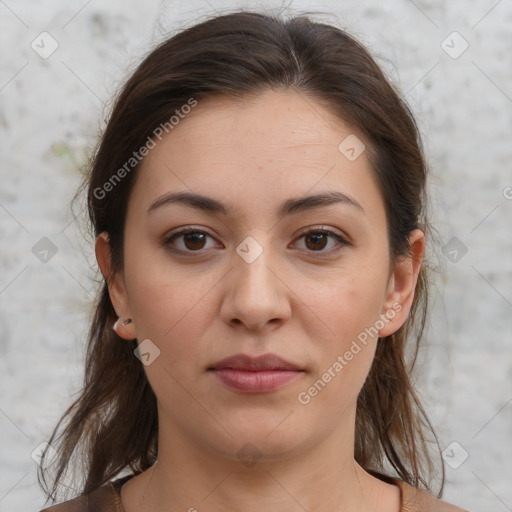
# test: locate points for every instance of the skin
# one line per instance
(202, 306)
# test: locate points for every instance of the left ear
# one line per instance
(116, 288)
(402, 285)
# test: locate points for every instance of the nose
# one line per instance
(255, 294)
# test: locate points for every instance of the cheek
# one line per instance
(173, 309)
(344, 356)
(343, 359)
(345, 304)
(174, 316)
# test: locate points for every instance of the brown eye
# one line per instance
(188, 240)
(316, 240)
(194, 241)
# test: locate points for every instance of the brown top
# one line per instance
(108, 499)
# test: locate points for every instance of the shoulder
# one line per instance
(104, 499)
(417, 500)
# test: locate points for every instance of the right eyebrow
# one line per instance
(198, 201)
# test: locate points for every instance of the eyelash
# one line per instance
(338, 238)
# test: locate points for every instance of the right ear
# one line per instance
(116, 286)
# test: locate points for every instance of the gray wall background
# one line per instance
(52, 107)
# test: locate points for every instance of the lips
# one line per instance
(260, 363)
(261, 374)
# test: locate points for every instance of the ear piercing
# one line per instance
(126, 322)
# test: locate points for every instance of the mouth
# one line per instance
(261, 374)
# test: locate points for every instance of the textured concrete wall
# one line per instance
(453, 60)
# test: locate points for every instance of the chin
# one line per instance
(274, 439)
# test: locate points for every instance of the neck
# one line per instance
(321, 477)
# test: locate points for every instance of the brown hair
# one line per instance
(112, 425)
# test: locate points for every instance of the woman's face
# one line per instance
(251, 281)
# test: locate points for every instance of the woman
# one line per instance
(259, 207)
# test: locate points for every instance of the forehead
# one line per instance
(280, 124)
(256, 150)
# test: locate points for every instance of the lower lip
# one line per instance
(255, 381)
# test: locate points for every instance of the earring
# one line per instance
(126, 322)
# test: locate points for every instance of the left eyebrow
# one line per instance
(300, 204)
(288, 207)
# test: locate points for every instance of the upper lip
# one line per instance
(259, 363)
